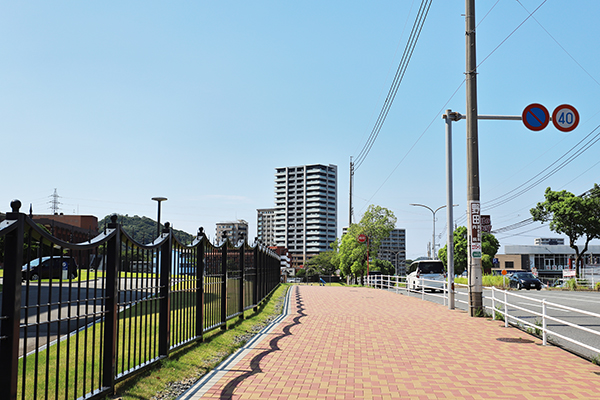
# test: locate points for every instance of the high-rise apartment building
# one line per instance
(393, 249)
(234, 230)
(305, 209)
(265, 226)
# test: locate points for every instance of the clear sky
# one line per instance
(114, 102)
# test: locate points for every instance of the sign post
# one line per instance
(362, 238)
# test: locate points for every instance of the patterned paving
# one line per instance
(361, 343)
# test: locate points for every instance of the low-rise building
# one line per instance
(547, 260)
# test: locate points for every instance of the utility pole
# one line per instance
(350, 203)
(473, 195)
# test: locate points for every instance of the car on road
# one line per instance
(49, 267)
(429, 275)
(524, 280)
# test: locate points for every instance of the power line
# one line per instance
(406, 56)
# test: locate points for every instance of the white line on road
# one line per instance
(540, 306)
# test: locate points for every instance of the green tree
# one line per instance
(322, 263)
(578, 217)
(383, 266)
(489, 247)
(376, 223)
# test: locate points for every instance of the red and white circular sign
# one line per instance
(362, 238)
(565, 118)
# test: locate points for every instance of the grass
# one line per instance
(487, 280)
(195, 360)
(137, 325)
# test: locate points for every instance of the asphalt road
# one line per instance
(526, 299)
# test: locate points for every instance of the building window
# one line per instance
(509, 264)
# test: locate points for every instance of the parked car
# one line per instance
(49, 267)
(428, 274)
(524, 280)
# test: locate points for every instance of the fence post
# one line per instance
(11, 303)
(200, 285)
(505, 310)
(256, 264)
(111, 319)
(164, 317)
(224, 286)
(242, 278)
(544, 336)
(493, 302)
(422, 289)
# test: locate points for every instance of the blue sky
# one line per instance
(112, 103)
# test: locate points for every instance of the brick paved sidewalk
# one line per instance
(361, 343)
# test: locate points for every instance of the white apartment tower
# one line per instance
(305, 209)
(265, 226)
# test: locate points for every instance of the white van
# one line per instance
(429, 275)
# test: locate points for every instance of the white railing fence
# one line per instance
(502, 302)
(502, 297)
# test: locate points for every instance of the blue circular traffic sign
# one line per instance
(536, 117)
(565, 118)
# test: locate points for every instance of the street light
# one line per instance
(159, 200)
(433, 236)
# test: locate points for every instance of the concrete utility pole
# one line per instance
(350, 203)
(473, 196)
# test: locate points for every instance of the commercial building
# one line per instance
(265, 226)
(233, 230)
(547, 260)
(305, 210)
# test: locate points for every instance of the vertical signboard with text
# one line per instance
(475, 228)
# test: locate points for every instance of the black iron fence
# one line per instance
(77, 318)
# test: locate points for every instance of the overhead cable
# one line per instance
(406, 56)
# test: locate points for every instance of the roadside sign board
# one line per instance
(565, 118)
(536, 117)
(503, 272)
(362, 238)
(486, 223)
(475, 228)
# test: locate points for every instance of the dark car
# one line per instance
(524, 280)
(49, 267)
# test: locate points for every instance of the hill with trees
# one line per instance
(143, 229)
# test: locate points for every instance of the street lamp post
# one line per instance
(433, 236)
(159, 200)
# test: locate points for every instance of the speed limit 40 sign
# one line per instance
(565, 118)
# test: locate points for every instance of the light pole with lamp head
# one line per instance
(159, 200)
(433, 236)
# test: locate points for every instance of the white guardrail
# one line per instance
(504, 299)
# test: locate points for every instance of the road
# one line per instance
(587, 301)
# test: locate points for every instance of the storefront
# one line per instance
(550, 260)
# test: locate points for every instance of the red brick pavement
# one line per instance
(361, 343)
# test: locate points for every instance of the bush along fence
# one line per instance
(75, 319)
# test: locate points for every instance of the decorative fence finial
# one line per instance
(15, 205)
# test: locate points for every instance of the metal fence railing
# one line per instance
(76, 318)
(511, 306)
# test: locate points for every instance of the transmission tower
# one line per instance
(54, 203)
